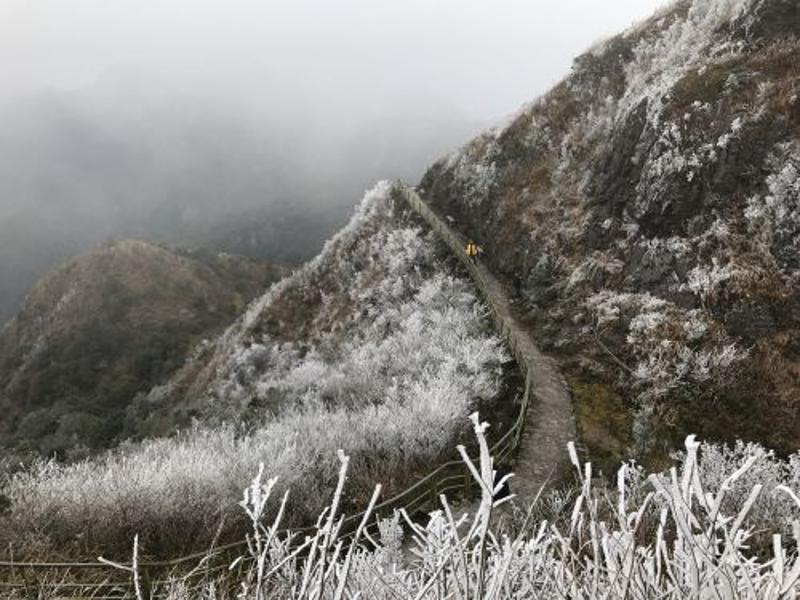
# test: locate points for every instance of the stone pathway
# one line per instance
(549, 420)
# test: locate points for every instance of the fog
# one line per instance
(249, 125)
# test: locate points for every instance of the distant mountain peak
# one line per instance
(105, 326)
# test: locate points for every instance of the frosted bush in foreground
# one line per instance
(774, 510)
(657, 536)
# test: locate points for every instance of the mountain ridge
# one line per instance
(645, 211)
(105, 326)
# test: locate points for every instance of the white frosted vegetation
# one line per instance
(705, 280)
(664, 340)
(401, 327)
(664, 54)
(774, 511)
(599, 264)
(393, 391)
(661, 60)
(474, 167)
(715, 525)
(777, 213)
(674, 97)
(373, 207)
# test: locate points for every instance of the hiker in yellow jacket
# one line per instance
(472, 251)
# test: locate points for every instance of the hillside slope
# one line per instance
(341, 329)
(379, 347)
(646, 212)
(105, 326)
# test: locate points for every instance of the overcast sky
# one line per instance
(171, 119)
(355, 59)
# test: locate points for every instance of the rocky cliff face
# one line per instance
(105, 326)
(647, 211)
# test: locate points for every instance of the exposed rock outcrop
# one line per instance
(647, 208)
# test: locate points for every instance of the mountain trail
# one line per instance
(549, 420)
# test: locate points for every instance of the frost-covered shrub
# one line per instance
(774, 510)
(387, 367)
(661, 60)
(391, 323)
(664, 339)
(775, 217)
(595, 268)
(673, 535)
(474, 168)
(703, 281)
(173, 492)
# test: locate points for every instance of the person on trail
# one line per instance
(472, 251)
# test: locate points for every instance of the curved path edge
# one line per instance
(549, 420)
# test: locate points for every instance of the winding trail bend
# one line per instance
(549, 420)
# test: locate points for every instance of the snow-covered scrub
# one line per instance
(775, 216)
(664, 168)
(704, 280)
(665, 341)
(775, 511)
(661, 60)
(689, 532)
(377, 348)
(474, 167)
